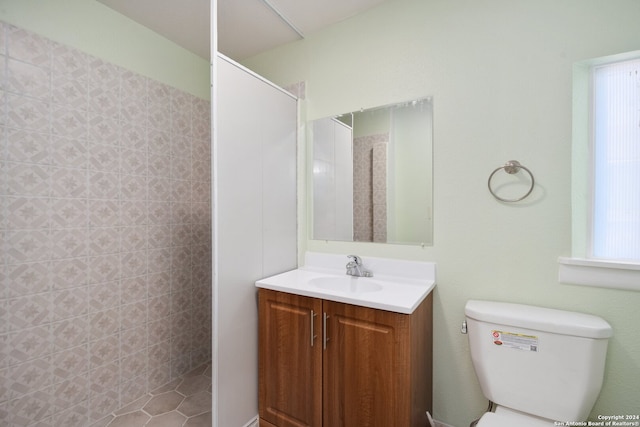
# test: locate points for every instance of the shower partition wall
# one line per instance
(255, 225)
(105, 233)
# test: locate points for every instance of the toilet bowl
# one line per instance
(537, 365)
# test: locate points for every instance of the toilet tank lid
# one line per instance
(539, 318)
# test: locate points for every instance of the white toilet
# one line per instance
(537, 365)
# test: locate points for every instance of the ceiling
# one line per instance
(245, 27)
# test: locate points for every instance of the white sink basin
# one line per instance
(397, 285)
(348, 284)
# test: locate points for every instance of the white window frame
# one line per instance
(581, 268)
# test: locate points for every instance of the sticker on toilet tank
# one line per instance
(518, 341)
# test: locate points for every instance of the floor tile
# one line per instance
(183, 402)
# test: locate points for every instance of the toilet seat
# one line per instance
(503, 417)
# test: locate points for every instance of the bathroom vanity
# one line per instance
(331, 353)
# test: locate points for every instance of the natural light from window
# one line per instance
(616, 161)
(605, 174)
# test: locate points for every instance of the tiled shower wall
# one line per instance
(105, 232)
(370, 188)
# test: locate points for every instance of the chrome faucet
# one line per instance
(354, 267)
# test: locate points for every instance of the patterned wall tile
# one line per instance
(28, 409)
(133, 365)
(159, 141)
(69, 92)
(159, 331)
(25, 279)
(104, 185)
(69, 152)
(76, 416)
(133, 315)
(24, 145)
(133, 238)
(103, 100)
(105, 197)
(69, 62)
(28, 47)
(103, 129)
(28, 79)
(69, 122)
(30, 343)
(68, 303)
(69, 333)
(27, 179)
(104, 323)
(66, 182)
(159, 307)
(133, 187)
(134, 212)
(181, 191)
(159, 165)
(25, 311)
(66, 213)
(132, 338)
(133, 289)
(69, 242)
(104, 378)
(133, 387)
(103, 296)
(104, 351)
(133, 136)
(133, 162)
(104, 268)
(69, 273)
(26, 212)
(69, 362)
(133, 264)
(69, 392)
(159, 374)
(159, 94)
(159, 212)
(104, 213)
(159, 283)
(27, 246)
(103, 240)
(101, 404)
(17, 380)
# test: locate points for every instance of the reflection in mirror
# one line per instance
(372, 175)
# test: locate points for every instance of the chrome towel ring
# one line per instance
(511, 167)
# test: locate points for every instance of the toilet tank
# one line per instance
(541, 361)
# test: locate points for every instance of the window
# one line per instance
(615, 225)
(605, 174)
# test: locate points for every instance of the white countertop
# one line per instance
(392, 293)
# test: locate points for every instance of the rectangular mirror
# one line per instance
(373, 175)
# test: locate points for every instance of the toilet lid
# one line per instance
(506, 418)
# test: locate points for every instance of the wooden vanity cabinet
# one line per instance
(289, 360)
(324, 363)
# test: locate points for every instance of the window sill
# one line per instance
(599, 273)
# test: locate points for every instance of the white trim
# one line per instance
(599, 273)
(253, 422)
(215, 333)
(257, 76)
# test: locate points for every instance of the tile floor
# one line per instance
(184, 402)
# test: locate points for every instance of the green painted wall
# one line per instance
(93, 28)
(500, 72)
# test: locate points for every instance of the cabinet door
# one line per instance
(366, 367)
(290, 359)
